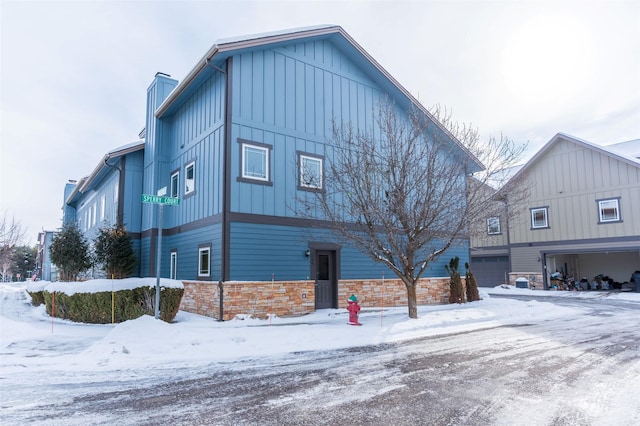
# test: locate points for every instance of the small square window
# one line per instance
(539, 218)
(609, 210)
(203, 261)
(255, 162)
(493, 225)
(189, 178)
(310, 172)
(175, 181)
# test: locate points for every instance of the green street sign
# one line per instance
(156, 199)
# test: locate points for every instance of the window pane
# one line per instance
(323, 267)
(174, 184)
(493, 225)
(310, 172)
(189, 178)
(255, 162)
(609, 211)
(539, 218)
(174, 265)
(203, 263)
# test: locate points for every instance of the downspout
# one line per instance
(506, 212)
(226, 199)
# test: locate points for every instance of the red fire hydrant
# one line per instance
(353, 307)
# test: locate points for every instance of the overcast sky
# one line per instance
(74, 74)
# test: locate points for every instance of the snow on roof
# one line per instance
(133, 146)
(630, 148)
(257, 36)
(501, 177)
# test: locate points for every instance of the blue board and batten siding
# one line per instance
(288, 98)
(282, 96)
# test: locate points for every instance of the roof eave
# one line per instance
(86, 182)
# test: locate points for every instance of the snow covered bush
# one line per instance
(129, 301)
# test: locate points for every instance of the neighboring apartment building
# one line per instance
(582, 217)
(231, 141)
(45, 270)
(111, 193)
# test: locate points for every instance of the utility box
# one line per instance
(522, 282)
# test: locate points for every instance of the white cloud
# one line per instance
(74, 74)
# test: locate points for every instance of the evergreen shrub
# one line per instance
(473, 294)
(456, 289)
(95, 308)
(37, 297)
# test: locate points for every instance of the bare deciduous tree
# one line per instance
(11, 234)
(401, 193)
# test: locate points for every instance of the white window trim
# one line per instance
(303, 184)
(602, 203)
(546, 217)
(200, 251)
(258, 148)
(177, 176)
(186, 181)
(489, 220)
(173, 265)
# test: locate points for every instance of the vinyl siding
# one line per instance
(259, 250)
(569, 178)
(186, 244)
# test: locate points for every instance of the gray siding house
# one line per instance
(582, 217)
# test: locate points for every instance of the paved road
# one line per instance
(581, 372)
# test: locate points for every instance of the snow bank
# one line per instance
(98, 286)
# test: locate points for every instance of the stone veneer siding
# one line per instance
(290, 298)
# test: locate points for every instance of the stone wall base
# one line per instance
(289, 298)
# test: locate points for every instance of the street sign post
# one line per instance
(161, 200)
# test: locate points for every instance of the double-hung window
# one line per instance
(310, 171)
(493, 225)
(609, 210)
(174, 184)
(539, 217)
(190, 178)
(173, 265)
(255, 161)
(204, 261)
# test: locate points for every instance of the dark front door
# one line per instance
(326, 282)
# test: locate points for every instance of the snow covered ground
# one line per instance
(35, 347)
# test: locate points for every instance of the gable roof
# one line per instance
(102, 168)
(581, 142)
(214, 59)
